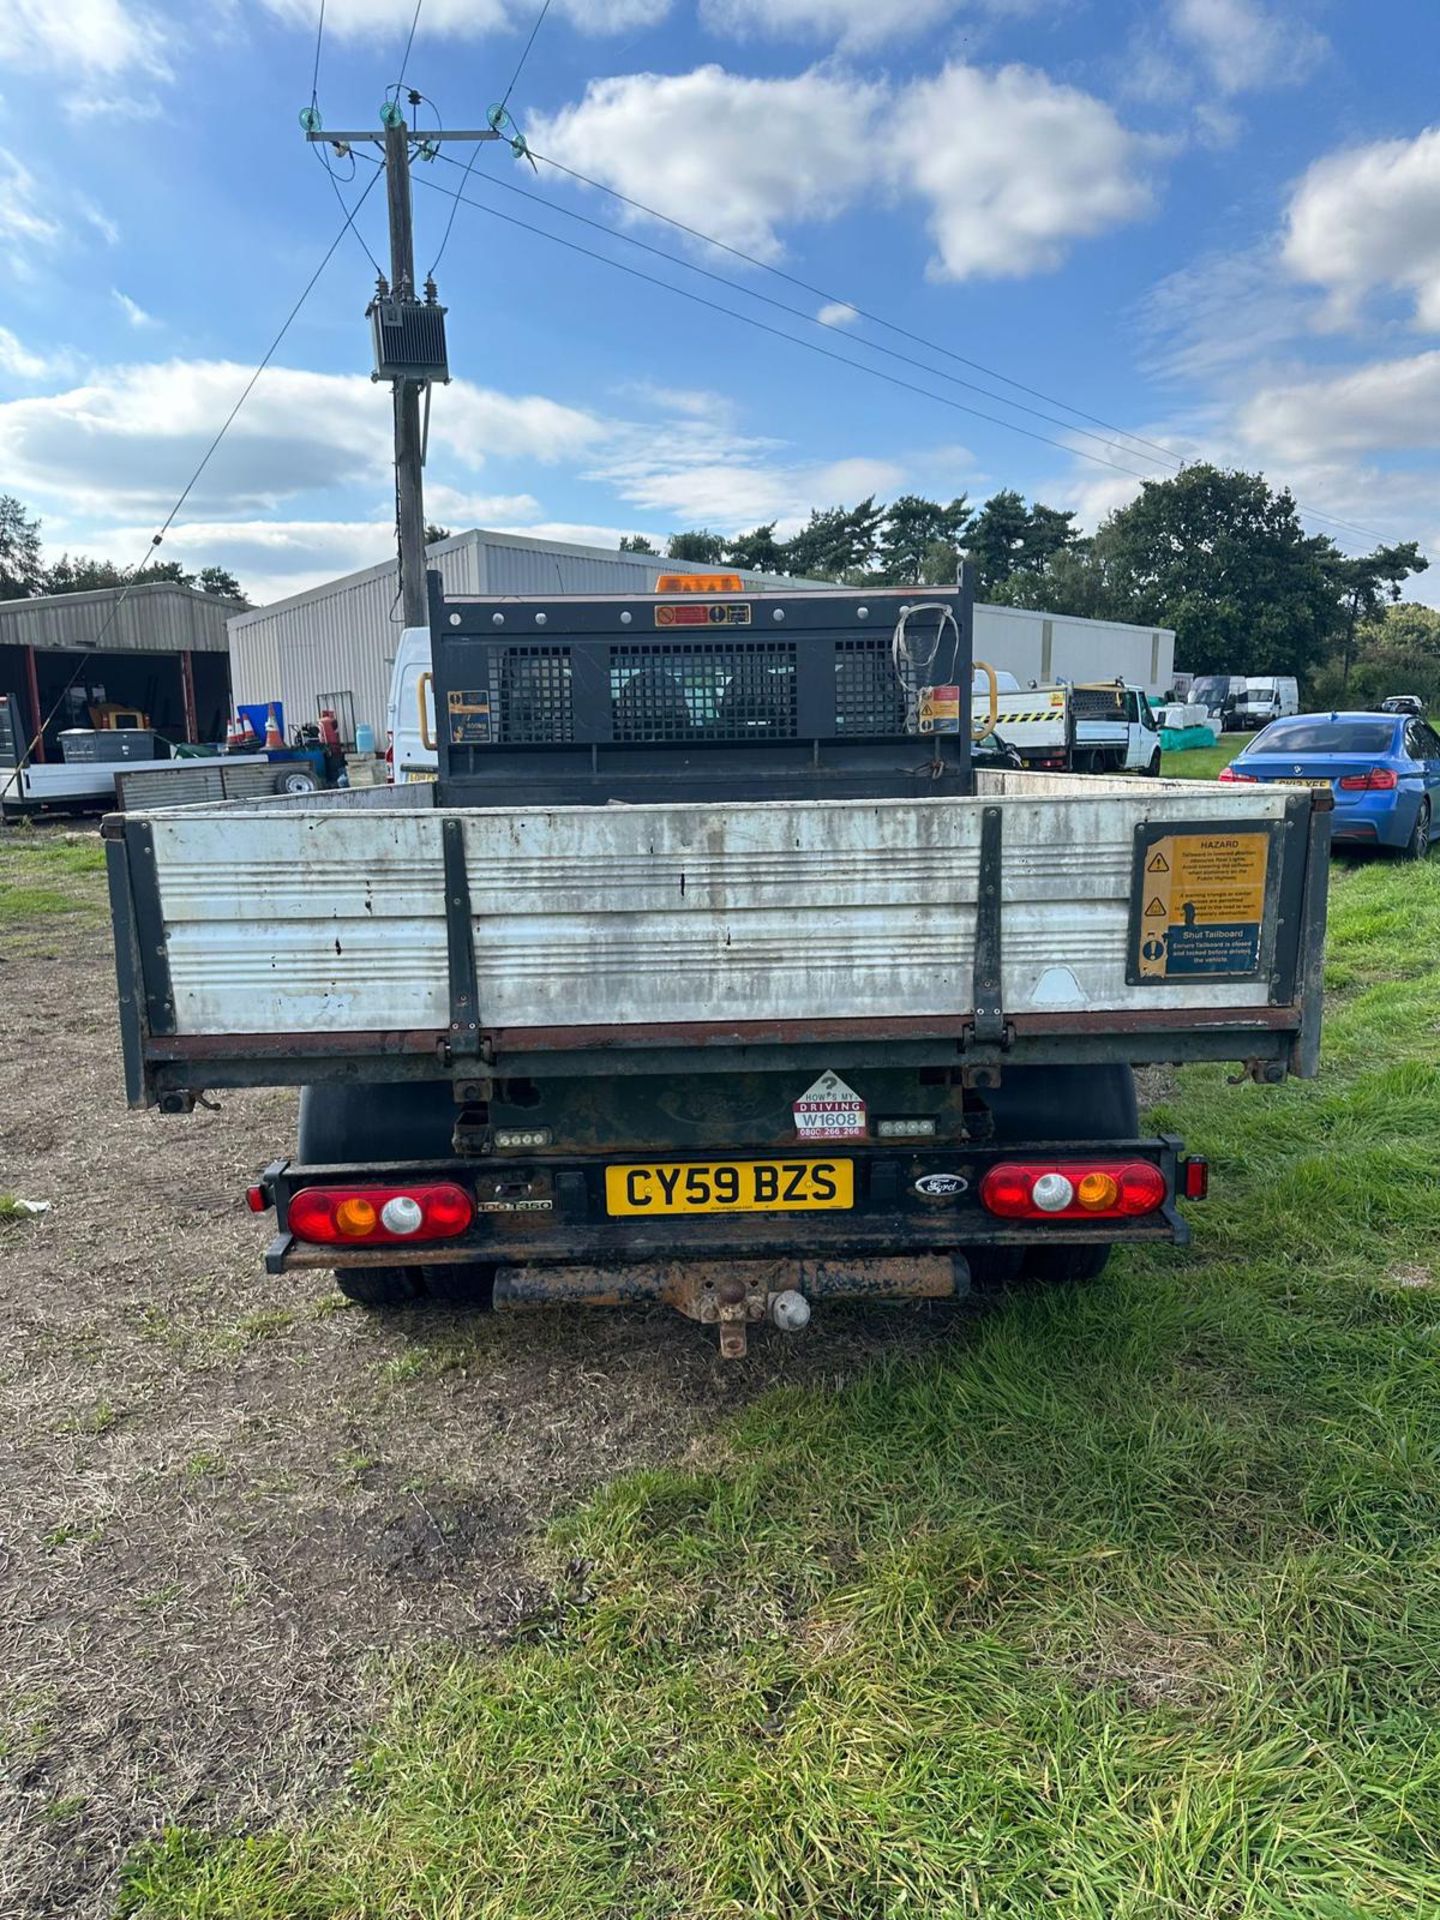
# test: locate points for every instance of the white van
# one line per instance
(1266, 698)
(410, 712)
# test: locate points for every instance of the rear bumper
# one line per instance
(1383, 819)
(553, 1213)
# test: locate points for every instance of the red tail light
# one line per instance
(380, 1216)
(1373, 780)
(390, 755)
(1073, 1189)
(1195, 1178)
(1229, 774)
(257, 1199)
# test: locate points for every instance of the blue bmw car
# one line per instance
(1383, 768)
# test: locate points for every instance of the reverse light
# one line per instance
(1229, 775)
(1052, 1193)
(403, 1214)
(1081, 1190)
(1373, 780)
(373, 1216)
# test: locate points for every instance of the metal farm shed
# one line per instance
(340, 638)
(159, 647)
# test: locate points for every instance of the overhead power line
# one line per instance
(835, 299)
(893, 326)
(1174, 461)
(409, 42)
(497, 119)
(200, 466)
(525, 54)
(779, 333)
(799, 313)
(319, 36)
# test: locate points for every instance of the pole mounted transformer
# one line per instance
(409, 339)
(408, 333)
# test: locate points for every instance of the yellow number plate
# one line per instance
(734, 1186)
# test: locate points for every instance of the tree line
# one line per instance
(1218, 555)
(24, 574)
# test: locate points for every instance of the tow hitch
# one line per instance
(731, 1295)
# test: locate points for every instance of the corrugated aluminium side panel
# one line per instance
(191, 783)
(313, 921)
(1045, 646)
(153, 618)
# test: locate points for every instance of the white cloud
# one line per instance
(458, 509)
(1387, 404)
(844, 23)
(1015, 167)
(132, 310)
(25, 221)
(1243, 45)
(731, 495)
(127, 439)
(463, 19)
(741, 156)
(18, 360)
(90, 37)
(1222, 312)
(1369, 218)
(835, 313)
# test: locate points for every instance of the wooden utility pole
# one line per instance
(409, 457)
(395, 137)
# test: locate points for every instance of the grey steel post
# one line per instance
(409, 481)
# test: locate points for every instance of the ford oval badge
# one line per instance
(941, 1185)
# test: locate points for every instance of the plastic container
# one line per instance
(364, 738)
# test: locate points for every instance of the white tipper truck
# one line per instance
(702, 974)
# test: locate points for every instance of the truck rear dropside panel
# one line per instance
(374, 934)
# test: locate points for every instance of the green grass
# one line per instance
(45, 871)
(1126, 1606)
(1203, 763)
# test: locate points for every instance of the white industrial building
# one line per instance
(335, 644)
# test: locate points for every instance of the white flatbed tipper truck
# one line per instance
(701, 975)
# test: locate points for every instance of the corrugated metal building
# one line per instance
(335, 645)
(339, 639)
(158, 647)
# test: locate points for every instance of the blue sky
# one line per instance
(1211, 224)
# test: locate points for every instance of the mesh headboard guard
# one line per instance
(564, 699)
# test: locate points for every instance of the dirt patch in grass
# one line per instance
(223, 1495)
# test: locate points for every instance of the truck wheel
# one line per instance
(1038, 1104)
(407, 1120)
(1152, 772)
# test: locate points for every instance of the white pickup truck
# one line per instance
(697, 976)
(1116, 730)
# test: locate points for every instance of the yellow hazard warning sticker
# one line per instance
(1202, 905)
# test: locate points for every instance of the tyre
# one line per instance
(300, 781)
(1152, 772)
(1417, 847)
(411, 1120)
(1036, 1104)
